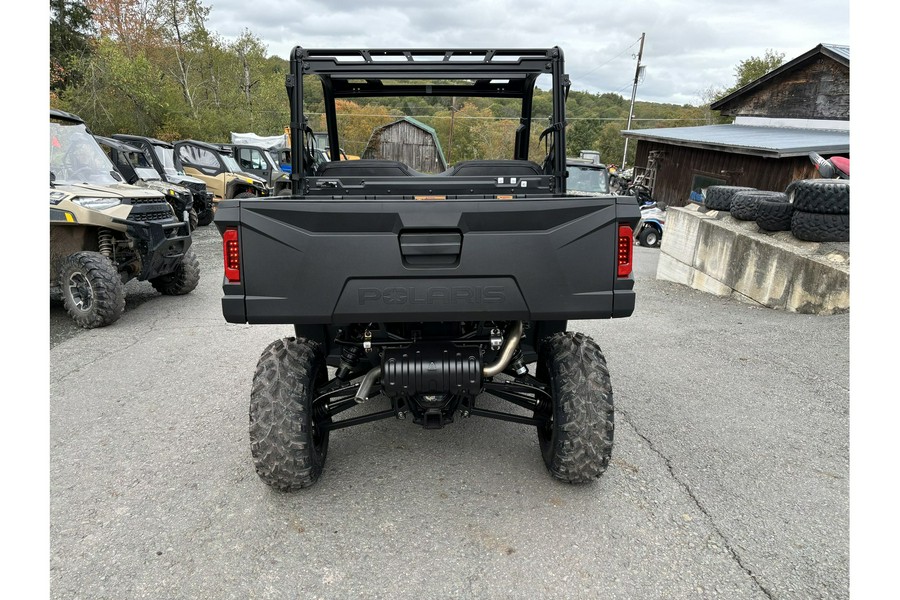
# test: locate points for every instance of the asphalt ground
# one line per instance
(729, 478)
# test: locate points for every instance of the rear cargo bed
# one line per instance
(337, 261)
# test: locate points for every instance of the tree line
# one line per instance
(152, 67)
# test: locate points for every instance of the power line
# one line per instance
(609, 61)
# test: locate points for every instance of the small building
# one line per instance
(409, 141)
(799, 107)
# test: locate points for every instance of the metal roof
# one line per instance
(843, 51)
(772, 142)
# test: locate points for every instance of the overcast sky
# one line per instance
(689, 45)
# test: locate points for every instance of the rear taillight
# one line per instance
(625, 249)
(232, 254)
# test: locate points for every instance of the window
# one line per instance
(196, 155)
(699, 185)
(251, 158)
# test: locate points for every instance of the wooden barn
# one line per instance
(410, 142)
(802, 106)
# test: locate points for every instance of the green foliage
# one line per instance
(755, 67)
(184, 82)
(746, 71)
(70, 30)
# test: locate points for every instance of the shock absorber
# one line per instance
(349, 360)
(105, 242)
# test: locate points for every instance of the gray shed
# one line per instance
(409, 141)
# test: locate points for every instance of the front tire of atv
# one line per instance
(286, 442)
(92, 291)
(193, 219)
(649, 237)
(182, 280)
(577, 441)
(205, 217)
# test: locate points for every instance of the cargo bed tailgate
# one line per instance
(337, 261)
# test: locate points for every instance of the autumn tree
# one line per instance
(135, 24)
(357, 122)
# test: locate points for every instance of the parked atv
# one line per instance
(259, 161)
(134, 165)
(649, 230)
(105, 232)
(215, 165)
(586, 177)
(162, 156)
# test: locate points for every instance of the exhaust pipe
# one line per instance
(514, 336)
(506, 352)
(365, 386)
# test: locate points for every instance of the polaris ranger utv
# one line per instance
(259, 161)
(215, 165)
(422, 292)
(162, 157)
(133, 164)
(105, 232)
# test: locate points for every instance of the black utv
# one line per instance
(135, 167)
(162, 157)
(418, 294)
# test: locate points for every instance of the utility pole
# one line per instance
(637, 76)
(450, 144)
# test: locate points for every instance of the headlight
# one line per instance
(97, 203)
(56, 197)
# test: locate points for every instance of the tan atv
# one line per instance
(215, 165)
(105, 232)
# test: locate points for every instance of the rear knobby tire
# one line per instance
(183, 280)
(288, 447)
(822, 196)
(577, 442)
(92, 290)
(820, 227)
(745, 205)
(774, 216)
(718, 197)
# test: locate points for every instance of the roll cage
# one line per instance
(483, 73)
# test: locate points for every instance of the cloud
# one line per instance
(690, 45)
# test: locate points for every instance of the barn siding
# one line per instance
(679, 164)
(818, 90)
(404, 142)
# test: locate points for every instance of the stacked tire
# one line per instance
(821, 210)
(718, 197)
(745, 204)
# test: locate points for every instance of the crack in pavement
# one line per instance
(693, 497)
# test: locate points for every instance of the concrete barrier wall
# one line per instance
(713, 252)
